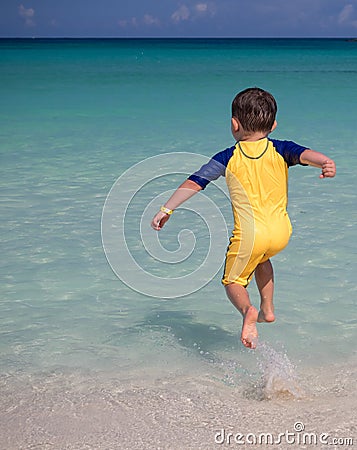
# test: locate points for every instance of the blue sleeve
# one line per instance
(215, 168)
(290, 151)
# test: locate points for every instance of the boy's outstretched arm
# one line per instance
(316, 159)
(187, 190)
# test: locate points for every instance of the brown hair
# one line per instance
(255, 109)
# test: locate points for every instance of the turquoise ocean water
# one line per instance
(75, 115)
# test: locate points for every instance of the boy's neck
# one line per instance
(240, 134)
(251, 137)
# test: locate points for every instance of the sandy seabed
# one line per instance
(59, 410)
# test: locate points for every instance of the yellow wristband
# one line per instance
(166, 210)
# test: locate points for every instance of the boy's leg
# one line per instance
(264, 277)
(238, 295)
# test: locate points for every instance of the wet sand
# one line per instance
(60, 410)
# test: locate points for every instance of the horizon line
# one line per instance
(178, 37)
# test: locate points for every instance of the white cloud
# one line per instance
(150, 20)
(134, 22)
(123, 23)
(183, 13)
(28, 14)
(204, 9)
(201, 7)
(345, 14)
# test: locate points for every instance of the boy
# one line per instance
(256, 171)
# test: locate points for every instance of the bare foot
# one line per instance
(249, 336)
(266, 316)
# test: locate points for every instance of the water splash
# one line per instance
(277, 376)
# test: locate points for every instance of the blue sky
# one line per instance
(178, 18)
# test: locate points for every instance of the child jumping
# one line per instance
(256, 172)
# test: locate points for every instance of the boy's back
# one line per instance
(256, 171)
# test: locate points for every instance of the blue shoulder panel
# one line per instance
(215, 168)
(290, 151)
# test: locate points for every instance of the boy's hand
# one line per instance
(317, 159)
(328, 169)
(159, 220)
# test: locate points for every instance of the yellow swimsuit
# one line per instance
(257, 178)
